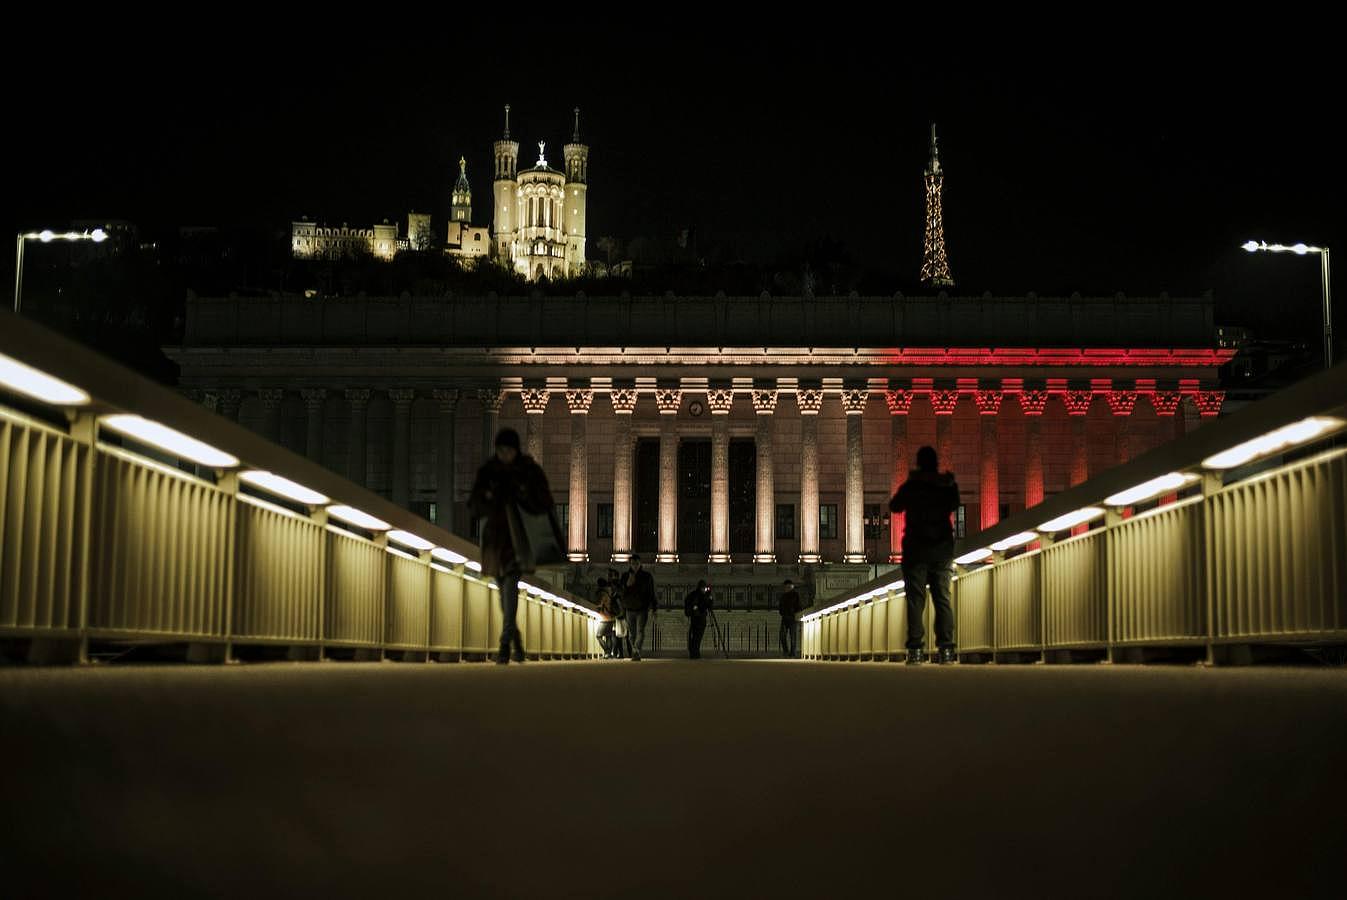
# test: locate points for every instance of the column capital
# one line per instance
(1166, 403)
(271, 397)
(535, 400)
(1121, 402)
(402, 396)
(623, 400)
(1077, 403)
(809, 400)
(491, 399)
(764, 401)
(313, 397)
(578, 400)
(854, 400)
(944, 400)
(192, 394)
(447, 398)
(211, 400)
(899, 401)
(1208, 402)
(721, 400)
(988, 401)
(1033, 401)
(669, 400)
(358, 396)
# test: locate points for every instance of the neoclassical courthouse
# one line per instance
(742, 438)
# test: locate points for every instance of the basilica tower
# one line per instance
(576, 157)
(504, 224)
(460, 199)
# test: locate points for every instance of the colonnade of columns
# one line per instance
(944, 399)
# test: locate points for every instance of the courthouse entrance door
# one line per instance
(694, 499)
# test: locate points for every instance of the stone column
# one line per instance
(578, 402)
(1077, 403)
(535, 404)
(944, 402)
(1033, 402)
(853, 405)
(271, 413)
(446, 460)
(899, 402)
(1121, 404)
(491, 400)
(720, 401)
(313, 423)
(624, 404)
(669, 401)
(810, 402)
(402, 444)
(230, 401)
(355, 453)
(989, 460)
(764, 404)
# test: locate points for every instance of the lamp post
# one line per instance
(46, 236)
(1301, 250)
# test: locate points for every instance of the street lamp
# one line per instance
(46, 236)
(1301, 250)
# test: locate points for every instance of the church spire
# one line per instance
(507, 123)
(934, 264)
(576, 136)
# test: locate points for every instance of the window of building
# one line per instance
(785, 521)
(605, 523)
(874, 522)
(827, 521)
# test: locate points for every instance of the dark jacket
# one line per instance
(697, 603)
(788, 604)
(497, 484)
(928, 499)
(640, 595)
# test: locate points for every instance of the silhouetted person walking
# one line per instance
(788, 604)
(696, 606)
(638, 599)
(508, 477)
(928, 497)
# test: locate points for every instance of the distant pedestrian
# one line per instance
(788, 604)
(696, 606)
(638, 599)
(619, 615)
(603, 599)
(508, 478)
(929, 497)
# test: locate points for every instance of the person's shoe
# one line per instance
(916, 657)
(636, 656)
(502, 659)
(947, 656)
(517, 656)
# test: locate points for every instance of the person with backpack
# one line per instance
(788, 605)
(696, 607)
(929, 497)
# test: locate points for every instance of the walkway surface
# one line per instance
(671, 779)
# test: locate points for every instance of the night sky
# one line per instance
(1132, 166)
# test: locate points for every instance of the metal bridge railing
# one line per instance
(1229, 539)
(128, 514)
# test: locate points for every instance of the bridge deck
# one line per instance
(669, 778)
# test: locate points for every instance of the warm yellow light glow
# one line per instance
(169, 439)
(973, 556)
(410, 540)
(45, 236)
(24, 379)
(1287, 436)
(448, 556)
(1165, 484)
(99, 235)
(1071, 520)
(1015, 540)
(474, 565)
(439, 568)
(352, 516)
(1299, 249)
(1251, 246)
(268, 481)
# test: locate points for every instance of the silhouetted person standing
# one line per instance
(929, 497)
(788, 604)
(507, 477)
(638, 599)
(696, 606)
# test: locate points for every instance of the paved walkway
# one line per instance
(671, 779)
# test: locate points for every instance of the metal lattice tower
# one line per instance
(934, 264)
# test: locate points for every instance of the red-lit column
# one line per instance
(535, 405)
(1121, 404)
(900, 404)
(989, 465)
(1169, 405)
(1032, 403)
(1077, 403)
(853, 404)
(943, 402)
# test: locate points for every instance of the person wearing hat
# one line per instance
(507, 477)
(788, 604)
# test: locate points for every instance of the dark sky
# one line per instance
(1078, 162)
